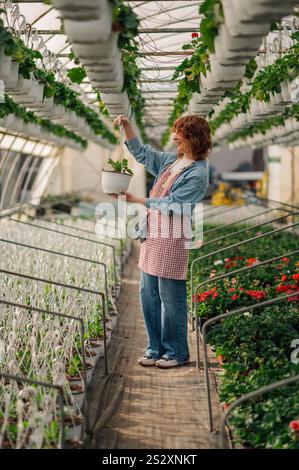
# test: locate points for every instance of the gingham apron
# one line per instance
(165, 251)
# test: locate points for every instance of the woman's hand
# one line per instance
(123, 121)
(130, 198)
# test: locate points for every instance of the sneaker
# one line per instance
(147, 361)
(167, 362)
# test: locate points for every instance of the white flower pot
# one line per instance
(7, 121)
(91, 30)
(117, 99)
(30, 129)
(23, 86)
(210, 84)
(5, 65)
(57, 112)
(17, 125)
(35, 95)
(285, 91)
(77, 4)
(98, 50)
(233, 20)
(225, 72)
(12, 80)
(79, 9)
(113, 182)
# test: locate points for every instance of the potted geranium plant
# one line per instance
(116, 180)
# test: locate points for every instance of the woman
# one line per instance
(180, 183)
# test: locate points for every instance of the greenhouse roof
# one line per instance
(165, 26)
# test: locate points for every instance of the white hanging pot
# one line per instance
(79, 9)
(30, 129)
(115, 99)
(77, 4)
(113, 182)
(23, 86)
(91, 30)
(240, 43)
(233, 16)
(285, 91)
(17, 125)
(98, 50)
(225, 73)
(5, 65)
(57, 112)
(11, 81)
(7, 121)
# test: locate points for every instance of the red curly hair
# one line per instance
(196, 133)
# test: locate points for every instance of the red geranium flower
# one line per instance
(295, 277)
(235, 297)
(284, 278)
(285, 260)
(294, 425)
(231, 289)
(256, 294)
(194, 35)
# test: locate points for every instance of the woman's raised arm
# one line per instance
(152, 159)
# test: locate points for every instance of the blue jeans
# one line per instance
(164, 305)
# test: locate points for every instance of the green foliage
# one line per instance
(62, 94)
(255, 346)
(131, 75)
(10, 107)
(213, 17)
(77, 74)
(120, 166)
(264, 126)
(126, 22)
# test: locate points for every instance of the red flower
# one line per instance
(215, 295)
(251, 261)
(231, 289)
(256, 294)
(241, 289)
(194, 35)
(235, 297)
(285, 260)
(294, 425)
(285, 278)
(295, 277)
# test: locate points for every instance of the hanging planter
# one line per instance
(233, 16)
(223, 73)
(7, 121)
(81, 10)
(116, 180)
(98, 50)
(23, 86)
(11, 81)
(90, 30)
(5, 65)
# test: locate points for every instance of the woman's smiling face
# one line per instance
(179, 141)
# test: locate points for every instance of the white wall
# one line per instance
(283, 174)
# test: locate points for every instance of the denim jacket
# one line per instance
(189, 187)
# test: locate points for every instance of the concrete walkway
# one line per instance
(144, 408)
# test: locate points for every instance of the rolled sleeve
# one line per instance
(133, 145)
